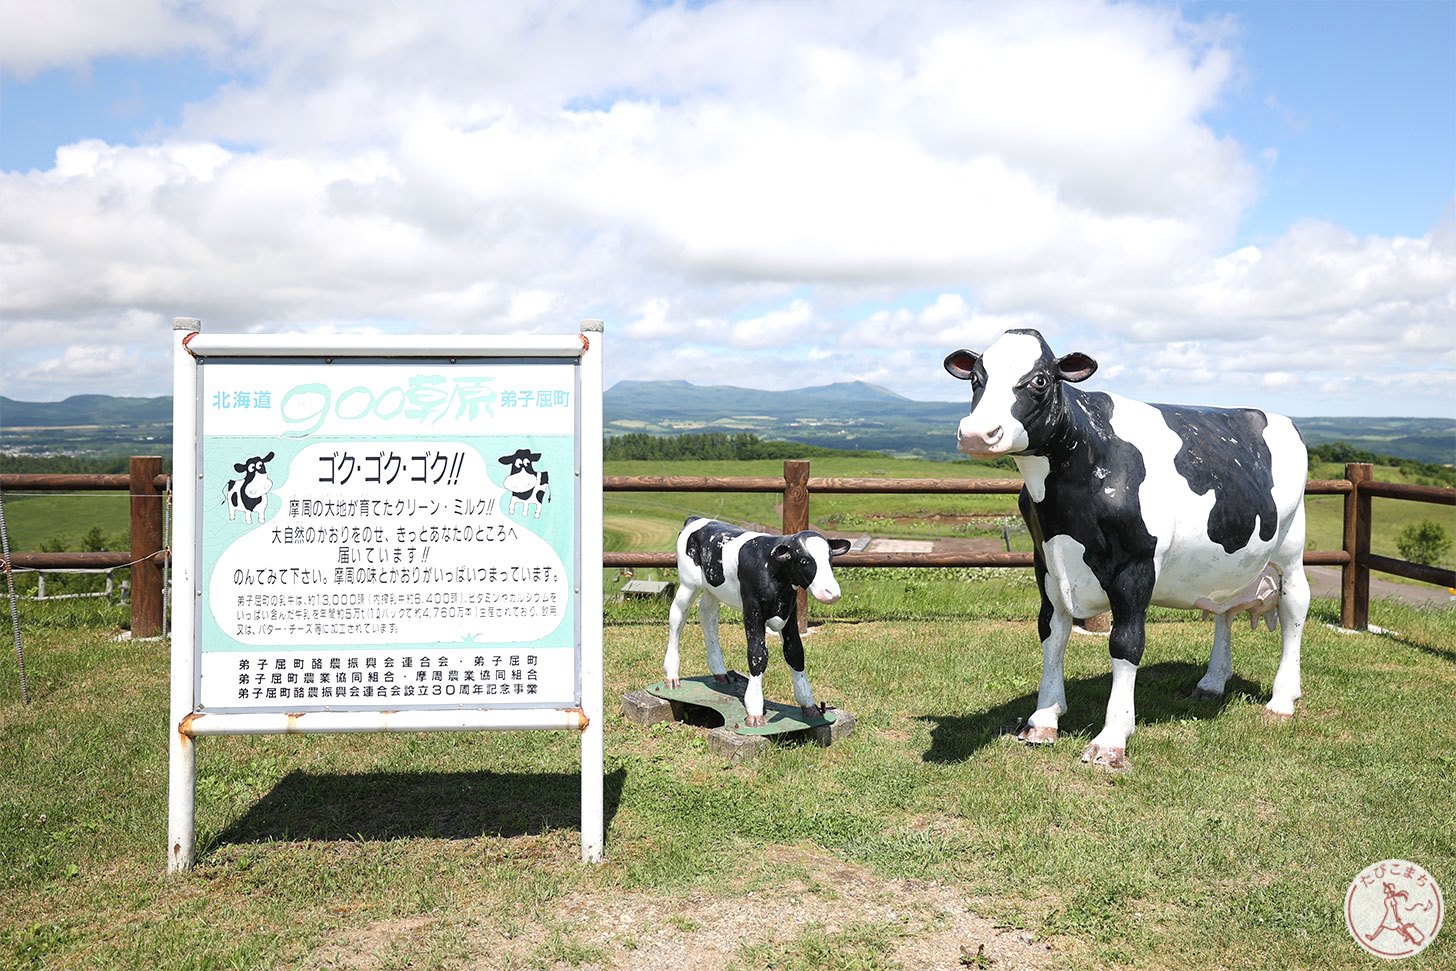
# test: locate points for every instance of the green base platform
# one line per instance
(727, 701)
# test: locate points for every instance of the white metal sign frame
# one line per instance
(287, 643)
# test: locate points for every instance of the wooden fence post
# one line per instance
(796, 518)
(1355, 575)
(146, 542)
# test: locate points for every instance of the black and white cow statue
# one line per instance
(758, 574)
(250, 493)
(526, 485)
(1132, 504)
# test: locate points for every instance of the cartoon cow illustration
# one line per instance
(250, 493)
(525, 484)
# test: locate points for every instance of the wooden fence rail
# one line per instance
(150, 495)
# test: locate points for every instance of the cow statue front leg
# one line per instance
(1054, 625)
(676, 617)
(1126, 642)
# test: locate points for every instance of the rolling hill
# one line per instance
(846, 415)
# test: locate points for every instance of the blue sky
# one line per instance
(757, 194)
(1359, 101)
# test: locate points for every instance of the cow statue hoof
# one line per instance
(1106, 756)
(1205, 694)
(755, 721)
(1277, 716)
(673, 683)
(1037, 735)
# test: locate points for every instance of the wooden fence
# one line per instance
(150, 496)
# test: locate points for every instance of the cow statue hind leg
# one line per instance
(1293, 609)
(1220, 660)
(682, 603)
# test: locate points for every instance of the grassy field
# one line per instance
(915, 843)
(37, 518)
(926, 840)
(648, 521)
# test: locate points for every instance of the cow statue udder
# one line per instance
(1131, 504)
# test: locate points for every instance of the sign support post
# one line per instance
(182, 751)
(385, 534)
(590, 593)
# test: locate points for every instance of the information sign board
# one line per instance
(386, 535)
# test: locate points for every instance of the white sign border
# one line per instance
(187, 724)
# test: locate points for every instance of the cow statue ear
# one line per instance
(506, 459)
(268, 457)
(960, 364)
(1075, 367)
(239, 467)
(838, 547)
(781, 553)
(536, 456)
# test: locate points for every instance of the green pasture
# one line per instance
(650, 521)
(914, 843)
(36, 519)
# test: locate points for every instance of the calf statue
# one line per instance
(1132, 504)
(757, 574)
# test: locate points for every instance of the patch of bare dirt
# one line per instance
(931, 926)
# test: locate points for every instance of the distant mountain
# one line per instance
(846, 415)
(866, 416)
(851, 414)
(84, 409)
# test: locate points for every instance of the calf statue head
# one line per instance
(804, 560)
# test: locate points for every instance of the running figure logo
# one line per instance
(1393, 909)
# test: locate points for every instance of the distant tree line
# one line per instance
(71, 464)
(1422, 473)
(712, 446)
(723, 446)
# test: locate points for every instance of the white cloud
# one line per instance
(72, 33)
(729, 186)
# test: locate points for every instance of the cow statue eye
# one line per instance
(1039, 382)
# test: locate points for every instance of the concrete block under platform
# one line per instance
(728, 744)
(707, 703)
(641, 708)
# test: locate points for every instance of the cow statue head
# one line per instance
(1016, 393)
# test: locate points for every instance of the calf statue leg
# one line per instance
(794, 655)
(757, 664)
(708, 617)
(681, 604)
